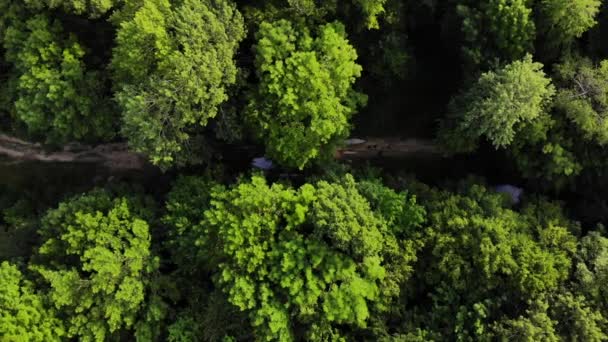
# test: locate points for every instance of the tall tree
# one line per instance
(91, 8)
(302, 262)
(24, 313)
(565, 20)
(499, 105)
(304, 100)
(172, 66)
(53, 92)
(99, 265)
(495, 31)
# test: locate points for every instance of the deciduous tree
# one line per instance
(566, 20)
(24, 313)
(53, 92)
(99, 265)
(172, 67)
(499, 106)
(305, 99)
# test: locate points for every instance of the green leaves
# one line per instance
(24, 314)
(584, 97)
(501, 104)
(304, 259)
(495, 31)
(102, 263)
(481, 260)
(54, 93)
(566, 20)
(172, 67)
(91, 8)
(304, 101)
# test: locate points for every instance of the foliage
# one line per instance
(500, 105)
(92, 8)
(583, 97)
(369, 12)
(172, 67)
(53, 92)
(24, 313)
(495, 31)
(296, 263)
(371, 9)
(315, 255)
(566, 20)
(101, 263)
(305, 99)
(482, 260)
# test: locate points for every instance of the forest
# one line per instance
(303, 170)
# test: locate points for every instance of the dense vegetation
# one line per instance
(315, 249)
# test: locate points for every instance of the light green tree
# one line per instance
(172, 66)
(24, 314)
(500, 105)
(100, 265)
(305, 99)
(372, 10)
(302, 263)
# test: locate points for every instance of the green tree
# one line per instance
(495, 31)
(304, 101)
(500, 105)
(535, 325)
(579, 321)
(53, 92)
(300, 262)
(99, 265)
(207, 315)
(24, 314)
(583, 97)
(172, 66)
(484, 265)
(565, 20)
(362, 13)
(575, 134)
(91, 8)
(592, 270)
(371, 9)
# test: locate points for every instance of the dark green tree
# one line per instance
(565, 20)
(90, 8)
(483, 267)
(50, 87)
(495, 31)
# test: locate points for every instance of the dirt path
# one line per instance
(386, 147)
(113, 156)
(116, 156)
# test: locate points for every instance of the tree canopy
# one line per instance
(102, 263)
(305, 99)
(303, 170)
(501, 104)
(172, 67)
